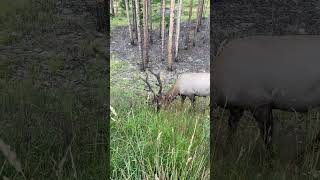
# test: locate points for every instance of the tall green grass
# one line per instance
(51, 116)
(246, 158)
(171, 144)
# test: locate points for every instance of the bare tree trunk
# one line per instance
(188, 26)
(198, 14)
(129, 23)
(178, 30)
(162, 28)
(116, 3)
(134, 17)
(160, 10)
(111, 8)
(197, 23)
(201, 13)
(170, 40)
(145, 34)
(139, 27)
(150, 19)
(206, 7)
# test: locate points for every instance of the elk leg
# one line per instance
(233, 121)
(263, 116)
(183, 97)
(192, 99)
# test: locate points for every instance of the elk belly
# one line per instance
(195, 84)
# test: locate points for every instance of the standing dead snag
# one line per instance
(129, 23)
(188, 26)
(178, 31)
(162, 28)
(170, 40)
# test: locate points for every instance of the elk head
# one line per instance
(158, 98)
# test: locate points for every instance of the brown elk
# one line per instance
(187, 85)
(262, 73)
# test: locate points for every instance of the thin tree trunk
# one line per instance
(150, 19)
(189, 25)
(201, 13)
(129, 23)
(160, 10)
(170, 40)
(111, 8)
(197, 23)
(163, 28)
(206, 7)
(198, 14)
(139, 27)
(134, 18)
(116, 2)
(145, 34)
(178, 30)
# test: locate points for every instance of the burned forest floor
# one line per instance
(196, 58)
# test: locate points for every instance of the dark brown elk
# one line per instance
(262, 73)
(187, 85)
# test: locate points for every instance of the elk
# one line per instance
(262, 73)
(187, 85)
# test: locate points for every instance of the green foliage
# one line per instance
(38, 118)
